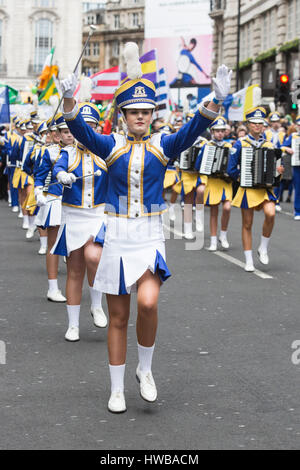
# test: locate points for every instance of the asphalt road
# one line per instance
(222, 362)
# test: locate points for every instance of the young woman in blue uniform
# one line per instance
(49, 216)
(217, 190)
(250, 199)
(81, 234)
(134, 250)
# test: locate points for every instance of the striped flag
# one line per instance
(162, 94)
(149, 67)
(48, 71)
(105, 84)
(50, 90)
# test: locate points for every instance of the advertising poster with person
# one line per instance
(183, 43)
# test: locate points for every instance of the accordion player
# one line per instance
(259, 167)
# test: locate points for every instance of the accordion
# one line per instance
(296, 149)
(188, 159)
(215, 161)
(258, 167)
(287, 165)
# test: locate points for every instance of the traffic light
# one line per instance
(282, 92)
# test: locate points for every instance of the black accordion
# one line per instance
(259, 167)
(188, 159)
(215, 161)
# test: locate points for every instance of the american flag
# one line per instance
(105, 84)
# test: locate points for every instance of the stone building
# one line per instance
(269, 40)
(28, 31)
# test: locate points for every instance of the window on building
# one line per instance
(135, 19)
(44, 3)
(96, 48)
(293, 18)
(87, 51)
(117, 21)
(246, 42)
(269, 30)
(43, 42)
(116, 49)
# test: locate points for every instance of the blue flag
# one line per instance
(4, 106)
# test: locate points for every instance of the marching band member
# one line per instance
(134, 250)
(30, 201)
(287, 148)
(49, 216)
(21, 180)
(273, 134)
(171, 176)
(81, 234)
(249, 199)
(217, 190)
(276, 137)
(188, 182)
(10, 138)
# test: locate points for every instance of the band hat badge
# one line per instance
(90, 112)
(136, 94)
(218, 123)
(274, 117)
(256, 115)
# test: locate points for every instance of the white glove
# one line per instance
(66, 178)
(69, 85)
(39, 196)
(222, 82)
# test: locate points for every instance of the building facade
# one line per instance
(117, 22)
(269, 39)
(28, 31)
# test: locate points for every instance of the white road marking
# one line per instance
(286, 213)
(233, 260)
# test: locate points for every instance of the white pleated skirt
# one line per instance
(50, 214)
(77, 227)
(131, 247)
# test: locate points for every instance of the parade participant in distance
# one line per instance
(134, 250)
(287, 148)
(172, 175)
(249, 199)
(188, 181)
(217, 190)
(21, 180)
(81, 235)
(49, 216)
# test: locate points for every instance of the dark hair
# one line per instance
(193, 41)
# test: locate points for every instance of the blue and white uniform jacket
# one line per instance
(87, 192)
(136, 169)
(45, 162)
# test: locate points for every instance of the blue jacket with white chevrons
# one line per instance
(87, 192)
(136, 169)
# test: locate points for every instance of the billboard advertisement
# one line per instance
(181, 32)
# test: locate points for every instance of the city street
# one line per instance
(222, 364)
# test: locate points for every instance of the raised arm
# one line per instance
(174, 144)
(99, 144)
